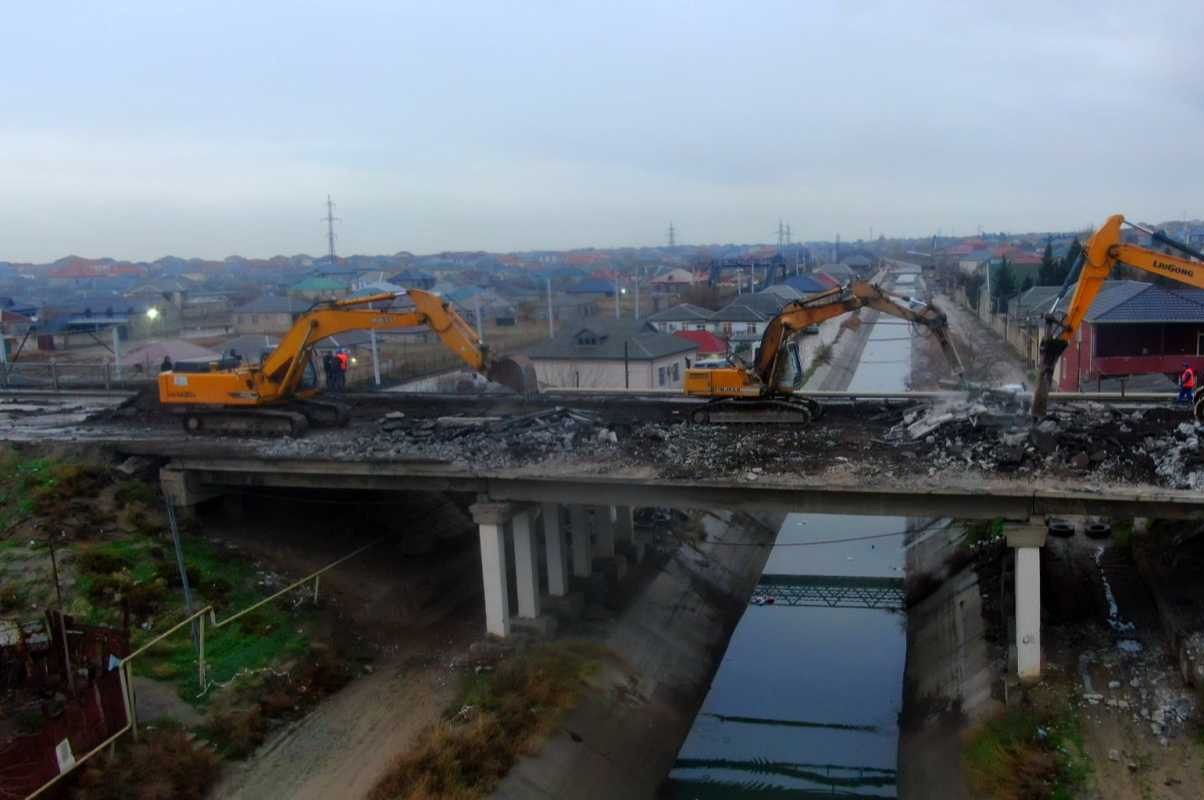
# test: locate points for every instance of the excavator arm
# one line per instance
(1091, 266)
(816, 308)
(284, 367)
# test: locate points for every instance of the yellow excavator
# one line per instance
(756, 393)
(1091, 264)
(278, 396)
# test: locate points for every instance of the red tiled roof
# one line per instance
(826, 280)
(707, 342)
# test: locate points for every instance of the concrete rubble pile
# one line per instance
(486, 441)
(1145, 445)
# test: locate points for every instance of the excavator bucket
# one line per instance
(516, 373)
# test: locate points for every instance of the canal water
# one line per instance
(806, 700)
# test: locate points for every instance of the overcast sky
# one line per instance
(138, 129)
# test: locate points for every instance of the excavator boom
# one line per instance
(1091, 265)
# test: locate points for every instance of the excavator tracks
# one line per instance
(293, 419)
(741, 411)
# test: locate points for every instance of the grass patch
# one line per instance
(20, 479)
(1026, 755)
(500, 716)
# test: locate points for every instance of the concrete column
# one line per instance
(1027, 541)
(604, 533)
(526, 566)
(493, 573)
(624, 523)
(491, 518)
(557, 555)
(582, 554)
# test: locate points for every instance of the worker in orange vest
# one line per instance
(1187, 384)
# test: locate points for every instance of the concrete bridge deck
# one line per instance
(944, 495)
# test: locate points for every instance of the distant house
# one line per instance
(564, 307)
(708, 343)
(747, 314)
(595, 286)
(321, 287)
(171, 290)
(805, 284)
(859, 264)
(82, 320)
(268, 314)
(674, 279)
(622, 355)
(1135, 328)
(841, 272)
(413, 279)
(681, 317)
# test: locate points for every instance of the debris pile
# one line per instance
(1145, 445)
(492, 442)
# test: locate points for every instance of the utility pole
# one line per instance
(618, 298)
(551, 323)
(117, 352)
(330, 219)
(480, 330)
(58, 591)
(672, 235)
(638, 275)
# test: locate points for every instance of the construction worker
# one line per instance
(328, 367)
(1187, 384)
(166, 365)
(344, 360)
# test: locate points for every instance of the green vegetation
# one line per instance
(981, 533)
(20, 481)
(1026, 755)
(499, 716)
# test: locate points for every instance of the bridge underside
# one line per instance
(190, 479)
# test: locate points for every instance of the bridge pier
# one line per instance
(582, 551)
(490, 519)
(604, 533)
(555, 552)
(1027, 539)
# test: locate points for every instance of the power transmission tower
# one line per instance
(781, 236)
(330, 220)
(672, 235)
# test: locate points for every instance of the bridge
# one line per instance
(830, 591)
(560, 520)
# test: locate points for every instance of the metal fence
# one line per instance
(198, 620)
(56, 375)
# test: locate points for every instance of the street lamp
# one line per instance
(152, 313)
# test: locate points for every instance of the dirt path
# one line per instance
(349, 741)
(986, 356)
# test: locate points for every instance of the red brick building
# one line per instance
(1135, 328)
